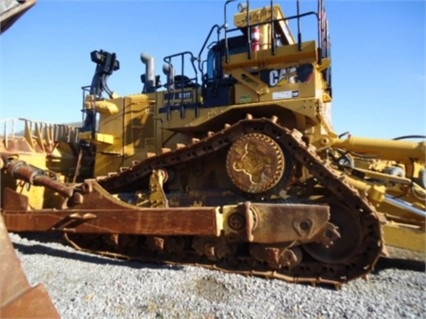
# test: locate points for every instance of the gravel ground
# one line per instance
(89, 286)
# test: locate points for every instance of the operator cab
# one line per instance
(217, 87)
(258, 60)
(235, 67)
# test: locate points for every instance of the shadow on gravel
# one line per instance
(86, 257)
(400, 263)
(382, 264)
(46, 237)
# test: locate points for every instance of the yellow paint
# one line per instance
(405, 236)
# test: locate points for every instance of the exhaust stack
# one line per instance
(148, 79)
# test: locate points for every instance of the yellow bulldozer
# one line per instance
(231, 164)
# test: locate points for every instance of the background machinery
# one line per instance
(232, 163)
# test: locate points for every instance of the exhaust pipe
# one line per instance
(148, 79)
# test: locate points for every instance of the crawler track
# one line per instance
(353, 255)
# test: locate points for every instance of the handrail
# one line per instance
(216, 26)
(273, 20)
(171, 97)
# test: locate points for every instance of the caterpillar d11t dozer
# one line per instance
(232, 164)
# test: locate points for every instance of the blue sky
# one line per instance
(378, 56)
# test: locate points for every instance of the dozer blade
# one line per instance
(17, 298)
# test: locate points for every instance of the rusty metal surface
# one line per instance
(255, 163)
(101, 213)
(288, 222)
(21, 170)
(17, 298)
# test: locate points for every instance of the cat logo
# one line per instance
(276, 76)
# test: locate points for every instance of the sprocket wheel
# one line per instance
(255, 163)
